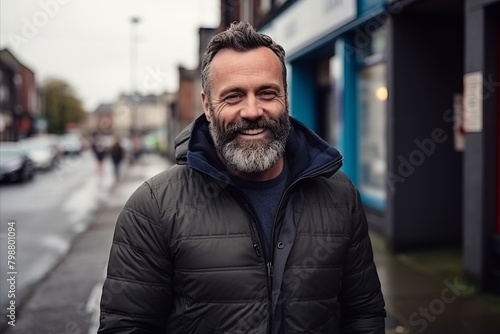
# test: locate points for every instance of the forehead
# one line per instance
(262, 62)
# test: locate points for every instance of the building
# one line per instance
(186, 94)
(139, 114)
(408, 92)
(103, 120)
(142, 118)
(20, 99)
(188, 104)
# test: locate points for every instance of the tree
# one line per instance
(62, 107)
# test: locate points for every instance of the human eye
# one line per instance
(268, 94)
(233, 98)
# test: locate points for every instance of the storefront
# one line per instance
(378, 84)
(337, 73)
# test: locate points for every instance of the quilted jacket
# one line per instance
(187, 254)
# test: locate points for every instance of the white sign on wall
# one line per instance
(308, 20)
(473, 102)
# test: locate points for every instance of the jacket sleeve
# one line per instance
(361, 301)
(137, 291)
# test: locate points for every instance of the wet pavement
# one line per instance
(44, 216)
(425, 292)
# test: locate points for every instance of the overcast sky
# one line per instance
(88, 44)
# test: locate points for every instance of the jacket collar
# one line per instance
(306, 152)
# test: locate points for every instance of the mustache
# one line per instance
(241, 125)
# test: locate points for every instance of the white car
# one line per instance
(71, 143)
(43, 151)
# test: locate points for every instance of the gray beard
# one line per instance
(254, 158)
(250, 156)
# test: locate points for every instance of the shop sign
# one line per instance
(473, 102)
(308, 20)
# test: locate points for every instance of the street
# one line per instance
(41, 222)
(44, 216)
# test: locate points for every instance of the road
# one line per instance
(44, 216)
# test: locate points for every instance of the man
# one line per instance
(255, 229)
(117, 153)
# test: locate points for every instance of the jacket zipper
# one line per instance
(258, 251)
(269, 265)
(269, 270)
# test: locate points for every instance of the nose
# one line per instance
(251, 110)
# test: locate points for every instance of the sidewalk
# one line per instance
(425, 292)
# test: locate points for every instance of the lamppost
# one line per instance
(134, 128)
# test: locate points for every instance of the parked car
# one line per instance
(43, 150)
(15, 165)
(72, 143)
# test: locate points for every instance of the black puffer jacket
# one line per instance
(186, 255)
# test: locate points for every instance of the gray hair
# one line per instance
(240, 36)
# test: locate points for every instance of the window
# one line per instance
(372, 119)
(372, 94)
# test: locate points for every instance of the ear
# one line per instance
(206, 105)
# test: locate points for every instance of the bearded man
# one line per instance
(254, 229)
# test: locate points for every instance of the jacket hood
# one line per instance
(305, 151)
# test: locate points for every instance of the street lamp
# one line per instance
(133, 53)
(133, 75)
(134, 126)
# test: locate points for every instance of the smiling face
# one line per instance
(247, 111)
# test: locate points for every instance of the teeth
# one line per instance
(252, 131)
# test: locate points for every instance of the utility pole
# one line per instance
(134, 98)
(134, 127)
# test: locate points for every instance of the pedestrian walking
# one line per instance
(255, 229)
(117, 153)
(99, 153)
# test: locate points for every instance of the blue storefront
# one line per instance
(335, 51)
